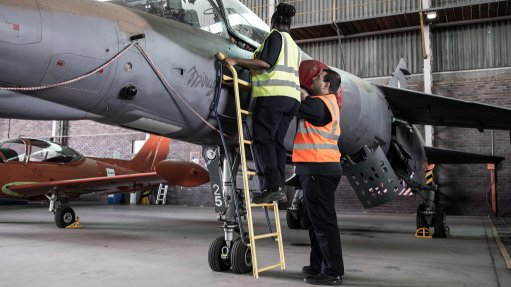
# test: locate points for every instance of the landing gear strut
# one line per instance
(64, 214)
(431, 214)
(226, 251)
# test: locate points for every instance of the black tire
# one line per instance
(440, 223)
(216, 263)
(241, 257)
(64, 216)
(421, 219)
(292, 222)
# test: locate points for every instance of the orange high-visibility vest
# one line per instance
(319, 144)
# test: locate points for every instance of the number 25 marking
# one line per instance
(217, 196)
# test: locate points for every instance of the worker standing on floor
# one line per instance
(276, 89)
(317, 159)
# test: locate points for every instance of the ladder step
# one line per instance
(245, 112)
(270, 267)
(229, 81)
(267, 235)
(247, 142)
(251, 173)
(262, 205)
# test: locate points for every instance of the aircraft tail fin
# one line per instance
(154, 150)
(400, 76)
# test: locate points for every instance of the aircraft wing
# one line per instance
(447, 156)
(110, 184)
(427, 109)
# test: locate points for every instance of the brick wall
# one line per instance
(463, 187)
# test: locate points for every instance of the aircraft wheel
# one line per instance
(421, 219)
(64, 217)
(216, 263)
(440, 222)
(241, 257)
(292, 222)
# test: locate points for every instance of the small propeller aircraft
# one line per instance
(36, 169)
(154, 70)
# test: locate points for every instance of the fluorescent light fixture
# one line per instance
(431, 15)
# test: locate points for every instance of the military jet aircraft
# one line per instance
(35, 169)
(158, 73)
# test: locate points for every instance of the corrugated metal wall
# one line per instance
(371, 56)
(472, 47)
(311, 12)
(449, 3)
(356, 9)
(327, 11)
(260, 7)
(454, 48)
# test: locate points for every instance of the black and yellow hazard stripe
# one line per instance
(429, 177)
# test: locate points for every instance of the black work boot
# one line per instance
(322, 279)
(309, 271)
(269, 195)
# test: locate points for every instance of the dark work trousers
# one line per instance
(321, 220)
(270, 122)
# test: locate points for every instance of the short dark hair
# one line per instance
(333, 78)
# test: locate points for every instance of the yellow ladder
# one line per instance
(240, 113)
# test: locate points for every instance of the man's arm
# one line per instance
(314, 111)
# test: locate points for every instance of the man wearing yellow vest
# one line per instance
(276, 88)
(317, 159)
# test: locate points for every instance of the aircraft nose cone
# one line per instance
(182, 173)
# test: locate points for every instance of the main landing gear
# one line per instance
(237, 256)
(64, 214)
(431, 214)
(228, 251)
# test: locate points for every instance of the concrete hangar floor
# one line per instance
(168, 246)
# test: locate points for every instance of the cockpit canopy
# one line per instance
(227, 18)
(36, 150)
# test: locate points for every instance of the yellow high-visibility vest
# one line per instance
(319, 144)
(281, 79)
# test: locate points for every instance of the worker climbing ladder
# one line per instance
(241, 115)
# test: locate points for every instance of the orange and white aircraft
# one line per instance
(35, 169)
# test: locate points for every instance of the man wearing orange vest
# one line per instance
(317, 159)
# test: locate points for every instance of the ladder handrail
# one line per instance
(248, 203)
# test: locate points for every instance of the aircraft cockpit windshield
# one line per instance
(206, 15)
(202, 14)
(38, 151)
(245, 23)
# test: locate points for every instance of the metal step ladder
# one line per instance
(241, 115)
(161, 196)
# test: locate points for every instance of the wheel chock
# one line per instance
(75, 224)
(423, 233)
